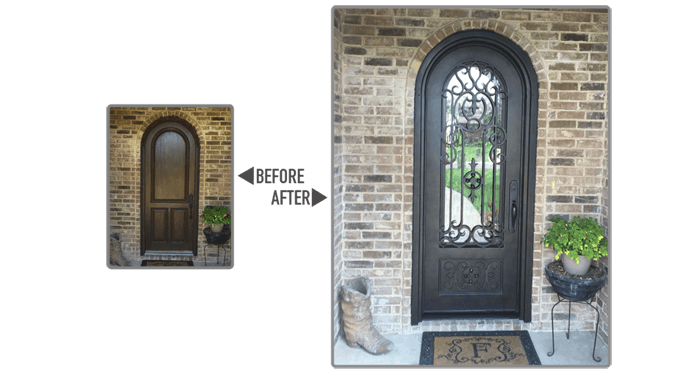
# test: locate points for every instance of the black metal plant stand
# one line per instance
(216, 239)
(568, 330)
(579, 289)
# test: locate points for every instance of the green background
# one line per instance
(64, 62)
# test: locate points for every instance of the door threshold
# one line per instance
(472, 316)
(169, 253)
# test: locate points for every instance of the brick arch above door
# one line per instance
(440, 34)
(476, 24)
(165, 114)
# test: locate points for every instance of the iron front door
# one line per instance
(472, 180)
(169, 186)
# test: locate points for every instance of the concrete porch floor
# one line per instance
(575, 351)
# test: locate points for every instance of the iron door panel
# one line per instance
(469, 278)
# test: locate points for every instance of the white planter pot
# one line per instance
(571, 267)
(217, 228)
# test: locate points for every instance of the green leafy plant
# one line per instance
(580, 236)
(216, 215)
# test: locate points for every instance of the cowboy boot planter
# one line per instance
(357, 318)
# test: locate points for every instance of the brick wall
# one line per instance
(379, 52)
(126, 128)
(337, 169)
(603, 299)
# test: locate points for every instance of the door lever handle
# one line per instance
(514, 206)
(191, 206)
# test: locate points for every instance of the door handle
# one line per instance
(513, 206)
(191, 199)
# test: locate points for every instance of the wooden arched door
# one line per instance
(169, 188)
(475, 146)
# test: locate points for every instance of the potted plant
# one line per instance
(577, 242)
(217, 217)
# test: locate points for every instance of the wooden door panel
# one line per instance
(170, 167)
(159, 225)
(179, 226)
(169, 195)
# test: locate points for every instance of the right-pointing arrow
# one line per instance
(316, 197)
(248, 176)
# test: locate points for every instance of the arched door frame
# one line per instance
(190, 128)
(529, 79)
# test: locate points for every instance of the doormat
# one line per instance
(478, 348)
(166, 263)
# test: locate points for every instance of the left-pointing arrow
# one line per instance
(248, 175)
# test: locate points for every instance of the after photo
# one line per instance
(471, 167)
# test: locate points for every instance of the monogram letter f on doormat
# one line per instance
(478, 348)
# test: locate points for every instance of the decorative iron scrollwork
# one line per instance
(459, 276)
(474, 137)
(472, 179)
